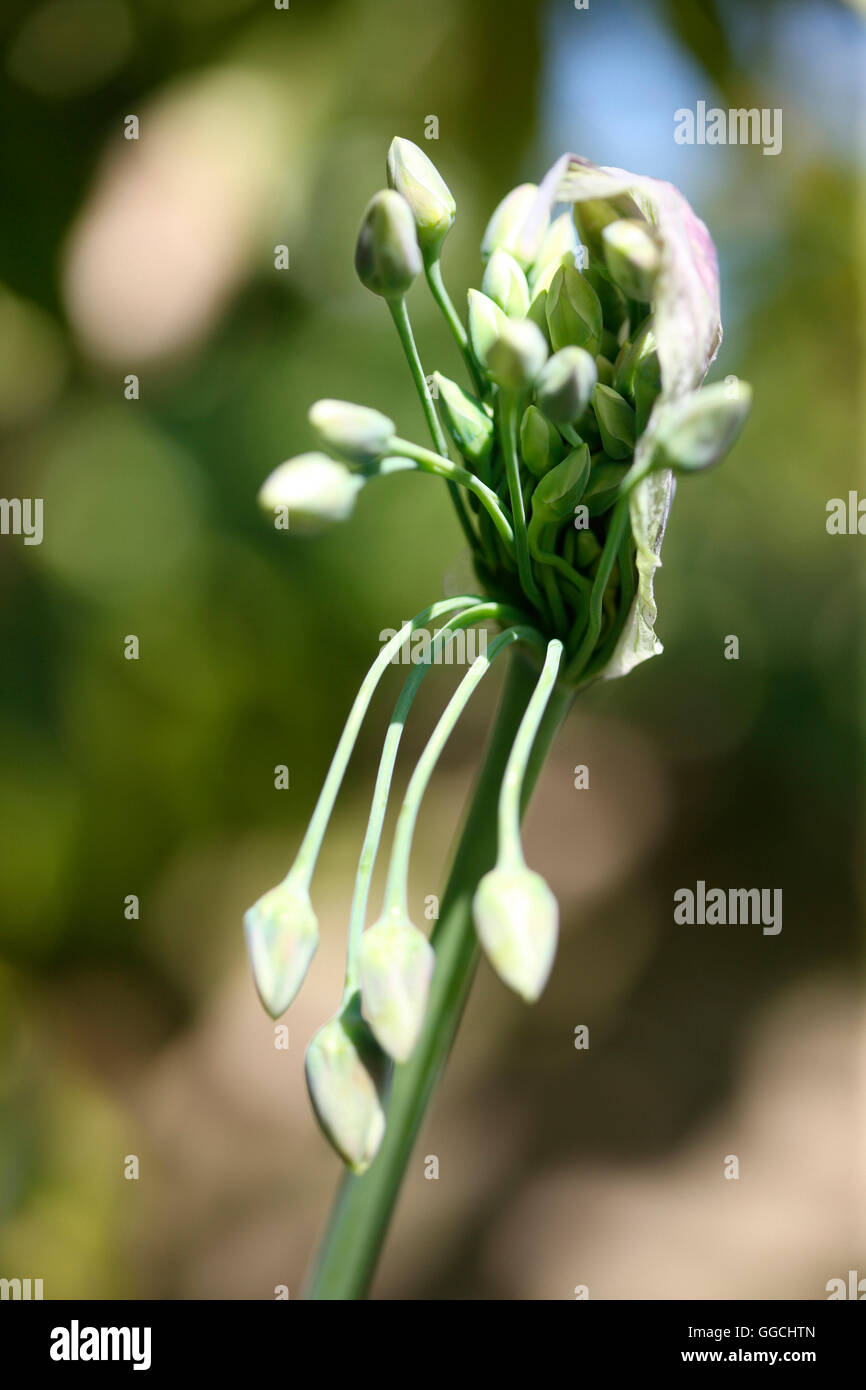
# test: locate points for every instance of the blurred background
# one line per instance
(558, 1167)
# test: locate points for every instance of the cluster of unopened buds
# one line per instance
(585, 348)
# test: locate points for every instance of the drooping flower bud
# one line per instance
(615, 421)
(346, 1072)
(411, 173)
(517, 920)
(466, 420)
(396, 965)
(697, 431)
(282, 935)
(560, 490)
(573, 311)
(352, 432)
(505, 283)
(485, 322)
(559, 244)
(314, 490)
(632, 250)
(387, 255)
(565, 385)
(541, 444)
(516, 355)
(505, 226)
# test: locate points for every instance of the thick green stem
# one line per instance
(350, 1250)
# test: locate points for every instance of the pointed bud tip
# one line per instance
(505, 283)
(465, 418)
(415, 176)
(574, 314)
(506, 228)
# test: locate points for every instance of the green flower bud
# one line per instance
(560, 490)
(615, 421)
(632, 250)
(352, 432)
(544, 277)
(411, 173)
(504, 228)
(605, 481)
(537, 312)
(697, 431)
(505, 283)
(614, 309)
(541, 444)
(593, 215)
(346, 1072)
(485, 323)
(630, 357)
(565, 385)
(647, 385)
(558, 246)
(387, 255)
(514, 358)
(466, 420)
(573, 311)
(282, 935)
(317, 491)
(604, 367)
(517, 920)
(396, 966)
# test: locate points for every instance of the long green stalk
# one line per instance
(400, 315)
(347, 1258)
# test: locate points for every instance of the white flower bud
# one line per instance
(282, 935)
(517, 920)
(505, 226)
(485, 322)
(353, 432)
(517, 354)
(345, 1072)
(396, 966)
(411, 173)
(505, 283)
(317, 491)
(632, 250)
